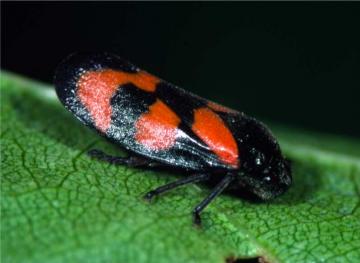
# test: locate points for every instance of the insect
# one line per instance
(162, 125)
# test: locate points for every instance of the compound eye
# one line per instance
(267, 179)
(259, 159)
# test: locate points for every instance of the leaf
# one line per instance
(58, 205)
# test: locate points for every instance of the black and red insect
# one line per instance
(162, 125)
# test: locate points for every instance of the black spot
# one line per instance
(128, 104)
(180, 101)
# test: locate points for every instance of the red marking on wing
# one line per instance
(95, 89)
(217, 107)
(157, 129)
(213, 131)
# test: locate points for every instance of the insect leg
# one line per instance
(183, 181)
(131, 160)
(216, 191)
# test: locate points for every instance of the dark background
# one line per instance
(291, 63)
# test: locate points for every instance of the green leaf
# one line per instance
(58, 205)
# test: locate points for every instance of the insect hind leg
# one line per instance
(183, 181)
(131, 160)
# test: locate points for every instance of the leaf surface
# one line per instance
(58, 205)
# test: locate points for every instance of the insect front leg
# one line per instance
(131, 160)
(219, 188)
